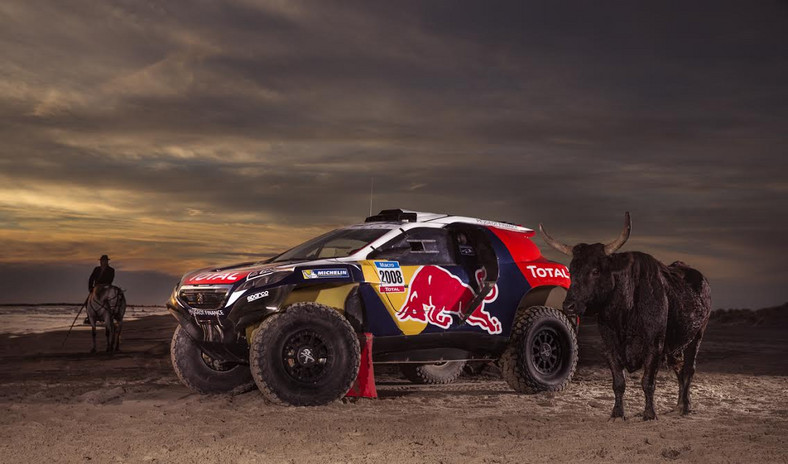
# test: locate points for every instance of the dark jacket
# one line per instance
(101, 278)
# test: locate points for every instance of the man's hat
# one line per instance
(104, 257)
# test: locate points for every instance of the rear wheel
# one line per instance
(203, 374)
(435, 373)
(542, 351)
(305, 356)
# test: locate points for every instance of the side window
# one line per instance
(418, 247)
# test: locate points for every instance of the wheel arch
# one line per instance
(547, 295)
(331, 295)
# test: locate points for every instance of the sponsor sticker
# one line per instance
(215, 278)
(256, 296)
(435, 295)
(260, 273)
(466, 250)
(392, 289)
(206, 312)
(325, 273)
(544, 272)
(390, 276)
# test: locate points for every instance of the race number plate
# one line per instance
(390, 275)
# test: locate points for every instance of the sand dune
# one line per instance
(61, 404)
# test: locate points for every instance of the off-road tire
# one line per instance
(523, 369)
(195, 372)
(436, 373)
(278, 346)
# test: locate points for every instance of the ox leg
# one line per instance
(688, 371)
(619, 385)
(677, 364)
(650, 369)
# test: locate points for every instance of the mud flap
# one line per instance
(364, 386)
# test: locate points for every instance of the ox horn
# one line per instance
(562, 247)
(622, 239)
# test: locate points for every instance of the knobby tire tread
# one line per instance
(420, 373)
(512, 364)
(297, 311)
(181, 348)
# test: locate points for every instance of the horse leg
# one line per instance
(117, 335)
(93, 333)
(688, 371)
(109, 327)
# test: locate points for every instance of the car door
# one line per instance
(420, 282)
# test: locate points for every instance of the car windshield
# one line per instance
(335, 244)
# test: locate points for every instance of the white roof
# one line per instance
(443, 219)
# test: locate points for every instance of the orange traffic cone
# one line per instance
(364, 386)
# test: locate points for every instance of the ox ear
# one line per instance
(611, 247)
(562, 247)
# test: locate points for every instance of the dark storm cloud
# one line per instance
(280, 113)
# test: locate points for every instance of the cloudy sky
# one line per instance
(173, 135)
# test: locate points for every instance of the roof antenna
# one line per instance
(371, 190)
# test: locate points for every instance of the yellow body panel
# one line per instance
(394, 301)
(333, 296)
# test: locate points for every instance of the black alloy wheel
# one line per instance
(306, 356)
(546, 351)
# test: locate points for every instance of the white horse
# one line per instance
(107, 303)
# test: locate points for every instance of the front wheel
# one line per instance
(201, 373)
(307, 355)
(542, 351)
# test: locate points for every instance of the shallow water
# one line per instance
(26, 319)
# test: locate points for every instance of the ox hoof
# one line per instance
(649, 415)
(618, 411)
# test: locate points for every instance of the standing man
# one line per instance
(102, 274)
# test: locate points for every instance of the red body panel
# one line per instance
(537, 270)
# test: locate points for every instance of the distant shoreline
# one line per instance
(783, 306)
(75, 304)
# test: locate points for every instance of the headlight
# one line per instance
(259, 278)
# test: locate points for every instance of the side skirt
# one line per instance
(437, 347)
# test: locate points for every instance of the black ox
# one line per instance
(646, 312)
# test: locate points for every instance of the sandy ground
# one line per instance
(61, 404)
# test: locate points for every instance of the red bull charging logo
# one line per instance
(434, 294)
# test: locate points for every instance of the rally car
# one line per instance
(433, 290)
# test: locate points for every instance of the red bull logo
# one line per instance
(435, 294)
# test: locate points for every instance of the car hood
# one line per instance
(237, 272)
